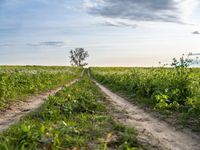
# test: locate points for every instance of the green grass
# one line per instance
(75, 118)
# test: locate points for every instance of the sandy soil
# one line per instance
(152, 132)
(20, 108)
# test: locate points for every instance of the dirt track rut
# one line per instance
(20, 108)
(152, 132)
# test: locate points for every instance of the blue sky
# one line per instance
(114, 32)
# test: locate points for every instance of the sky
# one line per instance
(114, 32)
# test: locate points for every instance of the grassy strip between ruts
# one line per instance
(75, 119)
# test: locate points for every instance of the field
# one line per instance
(74, 118)
(83, 116)
(18, 82)
(119, 75)
(173, 92)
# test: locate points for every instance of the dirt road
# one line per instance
(152, 132)
(20, 108)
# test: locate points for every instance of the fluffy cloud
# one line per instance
(142, 10)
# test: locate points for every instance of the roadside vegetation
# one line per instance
(75, 118)
(18, 82)
(174, 92)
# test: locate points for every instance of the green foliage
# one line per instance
(172, 89)
(72, 119)
(17, 82)
(78, 56)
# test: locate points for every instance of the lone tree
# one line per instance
(78, 57)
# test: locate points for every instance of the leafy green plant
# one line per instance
(18, 82)
(74, 118)
(174, 89)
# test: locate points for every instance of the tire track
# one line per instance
(17, 110)
(152, 133)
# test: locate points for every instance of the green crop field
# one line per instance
(99, 75)
(18, 82)
(75, 118)
(80, 116)
(173, 92)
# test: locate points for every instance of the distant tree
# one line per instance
(78, 57)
